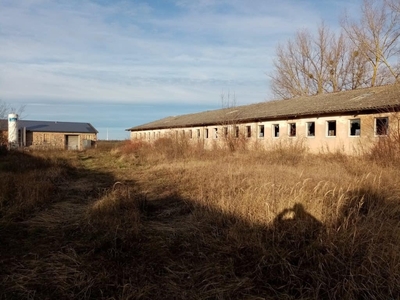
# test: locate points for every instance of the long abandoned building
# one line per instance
(349, 121)
(47, 134)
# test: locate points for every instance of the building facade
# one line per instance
(349, 121)
(53, 135)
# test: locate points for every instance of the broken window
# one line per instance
(206, 133)
(236, 131)
(215, 133)
(261, 131)
(275, 128)
(292, 129)
(310, 128)
(355, 127)
(381, 126)
(331, 125)
(248, 131)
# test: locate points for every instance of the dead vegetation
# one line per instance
(153, 222)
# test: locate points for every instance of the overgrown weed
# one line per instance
(185, 223)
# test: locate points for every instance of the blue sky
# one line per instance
(122, 63)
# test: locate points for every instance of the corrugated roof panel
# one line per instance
(375, 98)
(53, 126)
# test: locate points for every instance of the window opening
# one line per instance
(225, 131)
(215, 133)
(331, 128)
(206, 133)
(248, 131)
(355, 127)
(261, 131)
(275, 128)
(236, 131)
(292, 129)
(381, 126)
(310, 128)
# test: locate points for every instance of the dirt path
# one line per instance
(43, 254)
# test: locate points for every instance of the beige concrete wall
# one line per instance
(342, 138)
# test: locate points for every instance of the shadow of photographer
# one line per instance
(296, 226)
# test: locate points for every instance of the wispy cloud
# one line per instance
(175, 51)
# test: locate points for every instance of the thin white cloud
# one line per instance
(136, 52)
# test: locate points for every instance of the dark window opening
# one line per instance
(191, 133)
(276, 130)
(215, 133)
(261, 131)
(381, 126)
(331, 128)
(292, 129)
(225, 131)
(248, 131)
(206, 133)
(236, 131)
(311, 129)
(355, 127)
(198, 133)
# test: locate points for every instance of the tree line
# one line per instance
(365, 53)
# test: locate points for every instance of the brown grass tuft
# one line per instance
(173, 221)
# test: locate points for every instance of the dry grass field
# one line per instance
(170, 221)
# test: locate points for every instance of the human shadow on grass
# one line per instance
(185, 250)
(135, 246)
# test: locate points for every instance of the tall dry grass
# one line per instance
(173, 221)
(328, 224)
(30, 183)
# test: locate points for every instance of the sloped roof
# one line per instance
(376, 98)
(52, 126)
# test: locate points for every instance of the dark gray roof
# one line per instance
(52, 126)
(376, 98)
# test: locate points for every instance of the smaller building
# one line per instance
(53, 134)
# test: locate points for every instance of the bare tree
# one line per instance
(230, 127)
(6, 109)
(376, 35)
(393, 5)
(228, 100)
(310, 65)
